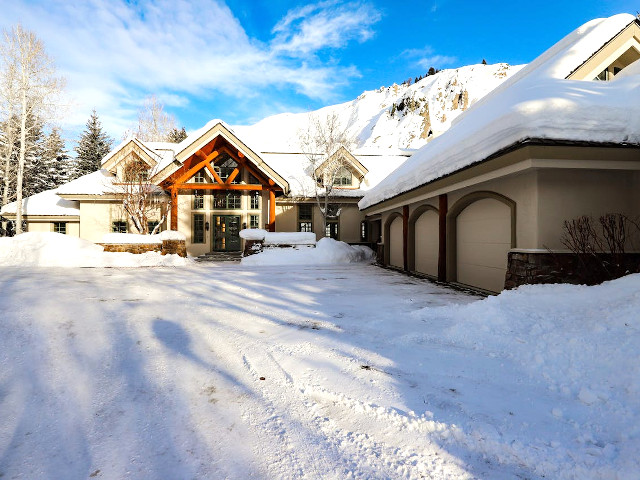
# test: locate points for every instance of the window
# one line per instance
(332, 230)
(255, 200)
(119, 226)
(153, 224)
(227, 200)
(364, 231)
(198, 228)
(136, 171)
(603, 76)
(60, 227)
(198, 199)
(343, 177)
(305, 217)
(226, 168)
(200, 177)
(253, 180)
(254, 221)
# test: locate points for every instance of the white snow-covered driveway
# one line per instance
(224, 371)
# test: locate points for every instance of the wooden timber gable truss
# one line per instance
(207, 157)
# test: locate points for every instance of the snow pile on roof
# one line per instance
(57, 250)
(584, 342)
(327, 252)
(537, 102)
(99, 182)
(44, 203)
(295, 169)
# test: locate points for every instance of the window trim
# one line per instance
(55, 227)
(194, 240)
(118, 230)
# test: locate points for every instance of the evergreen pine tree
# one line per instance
(36, 174)
(56, 159)
(484, 62)
(176, 136)
(93, 145)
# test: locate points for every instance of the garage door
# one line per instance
(483, 241)
(396, 258)
(426, 243)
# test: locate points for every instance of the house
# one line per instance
(559, 139)
(217, 185)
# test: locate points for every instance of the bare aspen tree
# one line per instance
(321, 143)
(142, 200)
(28, 75)
(154, 124)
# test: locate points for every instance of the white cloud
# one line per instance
(114, 53)
(324, 25)
(427, 58)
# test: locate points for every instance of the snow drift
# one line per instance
(327, 252)
(46, 249)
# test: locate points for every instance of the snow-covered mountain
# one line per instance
(390, 118)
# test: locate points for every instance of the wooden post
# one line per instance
(442, 241)
(405, 237)
(174, 208)
(272, 211)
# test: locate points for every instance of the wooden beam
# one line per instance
(233, 175)
(204, 160)
(442, 238)
(216, 186)
(174, 209)
(213, 173)
(240, 154)
(272, 211)
(405, 237)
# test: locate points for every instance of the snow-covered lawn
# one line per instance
(231, 371)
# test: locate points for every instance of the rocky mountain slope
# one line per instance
(390, 118)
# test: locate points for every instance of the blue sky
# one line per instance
(243, 60)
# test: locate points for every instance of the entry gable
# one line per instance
(209, 148)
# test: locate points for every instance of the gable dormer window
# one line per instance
(136, 171)
(343, 177)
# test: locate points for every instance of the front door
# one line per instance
(226, 233)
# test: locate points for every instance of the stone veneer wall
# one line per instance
(550, 267)
(167, 247)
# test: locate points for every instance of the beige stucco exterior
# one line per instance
(531, 191)
(46, 224)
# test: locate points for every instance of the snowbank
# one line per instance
(253, 234)
(583, 343)
(57, 250)
(290, 238)
(137, 238)
(328, 251)
(117, 238)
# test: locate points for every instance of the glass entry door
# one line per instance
(226, 233)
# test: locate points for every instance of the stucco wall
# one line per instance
(567, 194)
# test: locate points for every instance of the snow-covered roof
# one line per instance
(96, 183)
(537, 102)
(44, 203)
(295, 168)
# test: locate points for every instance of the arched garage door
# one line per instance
(483, 240)
(396, 258)
(426, 243)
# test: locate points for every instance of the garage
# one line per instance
(426, 243)
(396, 258)
(483, 240)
